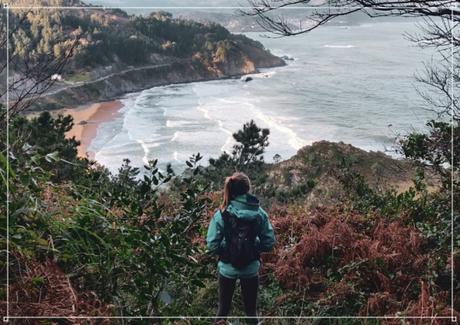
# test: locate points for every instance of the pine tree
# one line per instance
(251, 144)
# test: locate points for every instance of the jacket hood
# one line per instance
(244, 206)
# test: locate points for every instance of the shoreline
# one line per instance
(86, 120)
(133, 82)
(88, 116)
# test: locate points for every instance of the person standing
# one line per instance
(238, 232)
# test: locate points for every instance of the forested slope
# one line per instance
(104, 53)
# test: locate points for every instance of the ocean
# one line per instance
(354, 84)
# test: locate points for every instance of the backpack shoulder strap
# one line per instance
(227, 224)
(225, 217)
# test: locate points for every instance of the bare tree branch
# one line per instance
(30, 76)
(441, 20)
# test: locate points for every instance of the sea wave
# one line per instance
(201, 107)
(175, 136)
(176, 124)
(205, 112)
(312, 98)
(347, 46)
(146, 149)
(261, 75)
(293, 139)
(245, 103)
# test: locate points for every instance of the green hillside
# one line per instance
(112, 37)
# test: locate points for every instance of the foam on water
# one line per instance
(348, 46)
(261, 75)
(175, 136)
(322, 95)
(249, 104)
(175, 124)
(293, 139)
(146, 149)
(206, 113)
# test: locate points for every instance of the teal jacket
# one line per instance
(243, 206)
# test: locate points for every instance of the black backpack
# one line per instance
(240, 236)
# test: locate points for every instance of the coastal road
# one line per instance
(61, 87)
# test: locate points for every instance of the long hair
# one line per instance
(237, 184)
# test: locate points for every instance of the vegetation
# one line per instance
(433, 214)
(98, 228)
(246, 156)
(107, 37)
(61, 57)
(133, 243)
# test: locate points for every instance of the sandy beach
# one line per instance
(86, 120)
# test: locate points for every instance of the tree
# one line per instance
(246, 156)
(324, 11)
(251, 144)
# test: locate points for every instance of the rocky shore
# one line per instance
(248, 60)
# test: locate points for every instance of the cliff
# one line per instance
(245, 60)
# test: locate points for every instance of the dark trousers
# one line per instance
(249, 288)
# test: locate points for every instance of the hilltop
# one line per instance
(318, 173)
(115, 53)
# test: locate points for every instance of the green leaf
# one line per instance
(198, 283)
